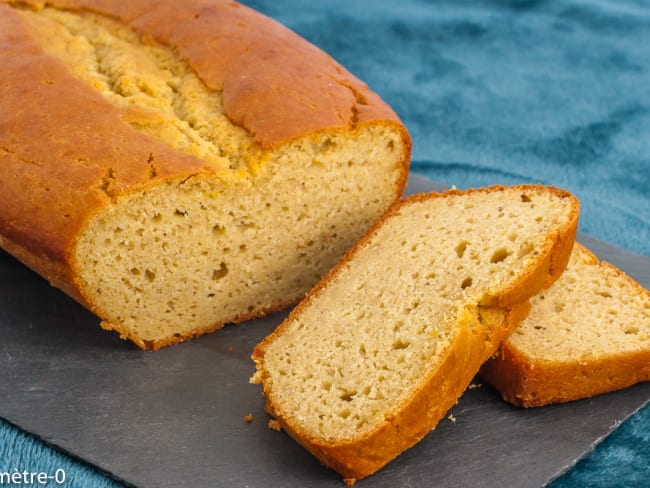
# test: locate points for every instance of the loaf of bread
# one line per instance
(175, 166)
(588, 334)
(386, 343)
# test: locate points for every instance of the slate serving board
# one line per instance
(176, 417)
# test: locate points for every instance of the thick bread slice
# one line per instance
(385, 344)
(175, 166)
(587, 334)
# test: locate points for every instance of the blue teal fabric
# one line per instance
(494, 92)
(25, 456)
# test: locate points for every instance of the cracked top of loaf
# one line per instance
(274, 83)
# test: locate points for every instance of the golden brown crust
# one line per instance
(275, 84)
(362, 457)
(529, 384)
(525, 382)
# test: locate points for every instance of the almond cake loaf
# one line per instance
(175, 166)
(386, 343)
(587, 334)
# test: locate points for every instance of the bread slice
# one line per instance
(588, 334)
(175, 166)
(386, 343)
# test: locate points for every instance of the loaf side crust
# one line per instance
(527, 383)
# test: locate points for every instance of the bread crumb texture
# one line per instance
(591, 311)
(248, 232)
(349, 361)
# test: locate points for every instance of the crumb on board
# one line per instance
(474, 385)
(452, 418)
(274, 425)
(248, 418)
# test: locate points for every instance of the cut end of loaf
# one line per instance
(185, 257)
(369, 362)
(209, 221)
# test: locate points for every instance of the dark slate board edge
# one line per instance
(569, 466)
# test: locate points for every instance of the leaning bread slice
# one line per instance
(588, 334)
(376, 354)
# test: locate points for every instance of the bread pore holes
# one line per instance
(401, 344)
(325, 146)
(220, 273)
(500, 255)
(244, 224)
(460, 248)
(348, 396)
